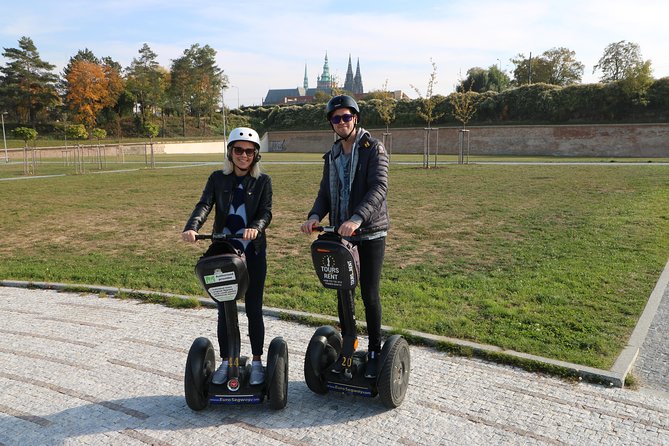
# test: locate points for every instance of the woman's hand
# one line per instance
(188, 236)
(250, 234)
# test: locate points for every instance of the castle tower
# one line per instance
(306, 79)
(324, 81)
(348, 83)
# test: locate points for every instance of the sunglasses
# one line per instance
(243, 151)
(339, 118)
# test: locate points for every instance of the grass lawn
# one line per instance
(553, 260)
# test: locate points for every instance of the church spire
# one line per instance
(357, 80)
(348, 83)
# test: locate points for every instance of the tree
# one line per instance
(426, 110)
(197, 82)
(145, 80)
(27, 84)
(464, 105)
(563, 68)
(498, 80)
(428, 104)
(480, 80)
(76, 131)
(617, 61)
(557, 66)
(88, 91)
(387, 105)
(25, 133)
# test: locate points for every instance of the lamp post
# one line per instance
(4, 138)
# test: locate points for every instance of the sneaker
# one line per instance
(221, 374)
(372, 368)
(257, 373)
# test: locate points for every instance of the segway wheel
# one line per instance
(394, 376)
(199, 367)
(321, 353)
(278, 390)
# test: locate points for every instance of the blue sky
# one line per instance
(266, 44)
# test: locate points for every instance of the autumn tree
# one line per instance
(88, 91)
(27, 83)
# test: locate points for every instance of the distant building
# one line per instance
(324, 83)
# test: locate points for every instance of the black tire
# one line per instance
(322, 352)
(199, 367)
(278, 390)
(313, 375)
(394, 377)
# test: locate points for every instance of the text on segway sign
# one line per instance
(220, 276)
(330, 272)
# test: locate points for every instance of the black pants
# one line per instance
(371, 254)
(256, 263)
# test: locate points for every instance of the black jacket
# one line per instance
(368, 190)
(218, 192)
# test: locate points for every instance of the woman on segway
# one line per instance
(353, 192)
(242, 197)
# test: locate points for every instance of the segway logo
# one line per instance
(328, 269)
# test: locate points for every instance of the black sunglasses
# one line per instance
(339, 118)
(242, 150)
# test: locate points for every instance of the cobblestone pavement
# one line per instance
(652, 365)
(83, 369)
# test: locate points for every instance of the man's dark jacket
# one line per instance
(368, 191)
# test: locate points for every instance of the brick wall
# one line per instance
(610, 140)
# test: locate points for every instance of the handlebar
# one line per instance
(218, 236)
(333, 230)
(328, 229)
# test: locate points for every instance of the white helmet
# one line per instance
(244, 134)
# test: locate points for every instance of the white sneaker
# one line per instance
(221, 374)
(257, 373)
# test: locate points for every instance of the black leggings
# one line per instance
(256, 264)
(371, 254)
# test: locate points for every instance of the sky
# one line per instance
(262, 45)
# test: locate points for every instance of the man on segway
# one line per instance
(352, 193)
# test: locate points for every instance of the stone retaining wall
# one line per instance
(610, 140)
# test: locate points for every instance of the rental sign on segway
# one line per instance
(335, 261)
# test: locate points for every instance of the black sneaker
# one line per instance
(372, 368)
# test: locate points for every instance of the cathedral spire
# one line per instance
(357, 80)
(348, 83)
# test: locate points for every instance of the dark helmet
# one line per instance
(342, 101)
